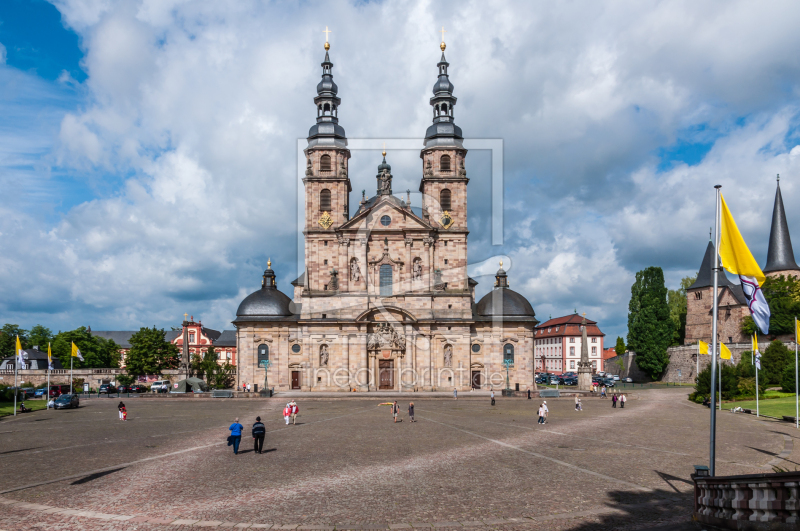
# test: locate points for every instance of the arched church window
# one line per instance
(325, 163)
(386, 280)
(325, 200)
(263, 353)
(444, 199)
(326, 109)
(508, 353)
(444, 163)
(444, 108)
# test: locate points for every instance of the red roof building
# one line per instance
(558, 344)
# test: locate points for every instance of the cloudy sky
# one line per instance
(148, 147)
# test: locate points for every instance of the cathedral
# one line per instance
(385, 301)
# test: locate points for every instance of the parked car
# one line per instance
(553, 380)
(124, 389)
(39, 392)
(601, 373)
(570, 381)
(58, 390)
(615, 377)
(28, 391)
(608, 382)
(107, 389)
(630, 380)
(138, 389)
(160, 386)
(66, 401)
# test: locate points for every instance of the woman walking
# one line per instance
(236, 435)
(395, 410)
(622, 400)
(541, 414)
(411, 411)
(455, 393)
(614, 400)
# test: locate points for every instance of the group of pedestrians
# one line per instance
(290, 412)
(621, 399)
(259, 430)
(543, 412)
(123, 411)
(396, 411)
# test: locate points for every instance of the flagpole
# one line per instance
(719, 365)
(796, 396)
(70, 374)
(47, 391)
(713, 428)
(697, 370)
(16, 366)
(757, 365)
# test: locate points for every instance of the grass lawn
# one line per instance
(774, 407)
(7, 408)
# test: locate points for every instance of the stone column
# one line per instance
(408, 380)
(345, 358)
(363, 368)
(344, 264)
(373, 371)
(427, 261)
(584, 366)
(408, 269)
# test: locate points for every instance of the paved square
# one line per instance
(346, 465)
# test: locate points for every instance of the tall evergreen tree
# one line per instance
(8, 339)
(151, 353)
(619, 348)
(775, 359)
(650, 327)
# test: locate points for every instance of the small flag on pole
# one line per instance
(49, 358)
(76, 352)
(737, 259)
(755, 350)
(702, 347)
(724, 351)
(20, 355)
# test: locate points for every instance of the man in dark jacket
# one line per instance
(259, 432)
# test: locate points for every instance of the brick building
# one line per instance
(558, 344)
(732, 302)
(385, 301)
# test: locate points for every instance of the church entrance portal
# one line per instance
(295, 379)
(386, 374)
(476, 379)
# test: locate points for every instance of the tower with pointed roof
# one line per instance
(780, 255)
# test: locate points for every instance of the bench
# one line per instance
(221, 393)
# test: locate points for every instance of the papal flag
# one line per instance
(755, 351)
(737, 259)
(724, 351)
(702, 347)
(49, 358)
(76, 352)
(20, 355)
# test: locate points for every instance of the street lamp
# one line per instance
(508, 363)
(265, 364)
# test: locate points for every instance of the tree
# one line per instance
(730, 383)
(676, 300)
(40, 336)
(650, 327)
(97, 352)
(224, 378)
(125, 379)
(8, 339)
(620, 346)
(151, 353)
(775, 358)
(787, 378)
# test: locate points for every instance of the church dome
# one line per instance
(503, 301)
(266, 302)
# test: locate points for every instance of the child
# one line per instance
(124, 414)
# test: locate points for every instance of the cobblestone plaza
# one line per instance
(346, 465)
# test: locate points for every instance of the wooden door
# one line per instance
(386, 374)
(476, 379)
(295, 379)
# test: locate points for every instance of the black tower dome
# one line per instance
(267, 302)
(327, 131)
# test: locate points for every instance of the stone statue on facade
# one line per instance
(428, 169)
(309, 171)
(333, 284)
(462, 171)
(385, 183)
(355, 271)
(323, 356)
(448, 355)
(438, 283)
(416, 269)
(385, 337)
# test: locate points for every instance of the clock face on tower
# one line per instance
(446, 220)
(325, 220)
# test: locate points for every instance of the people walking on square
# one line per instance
(411, 411)
(244, 387)
(294, 412)
(614, 400)
(395, 410)
(124, 413)
(248, 388)
(455, 393)
(287, 413)
(259, 432)
(622, 400)
(120, 407)
(577, 403)
(492, 396)
(529, 393)
(546, 411)
(603, 392)
(236, 435)
(541, 414)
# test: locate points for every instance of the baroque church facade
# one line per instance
(385, 301)
(733, 308)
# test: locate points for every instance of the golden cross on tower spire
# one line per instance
(443, 46)
(326, 32)
(384, 149)
(185, 316)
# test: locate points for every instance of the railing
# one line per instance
(724, 500)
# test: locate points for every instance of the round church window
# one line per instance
(295, 348)
(476, 348)
(386, 221)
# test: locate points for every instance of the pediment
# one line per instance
(402, 217)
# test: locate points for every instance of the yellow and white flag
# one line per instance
(76, 352)
(702, 347)
(755, 350)
(20, 355)
(724, 352)
(738, 259)
(49, 358)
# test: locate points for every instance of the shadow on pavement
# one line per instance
(92, 477)
(659, 509)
